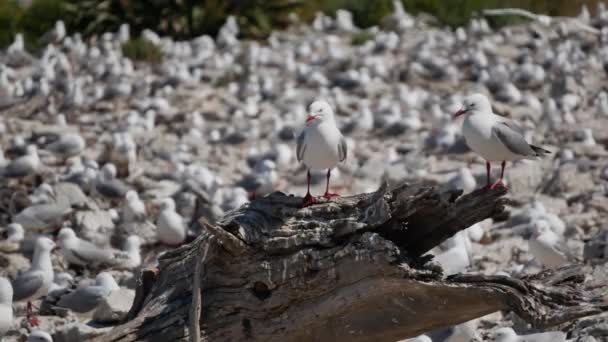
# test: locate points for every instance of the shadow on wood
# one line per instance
(347, 268)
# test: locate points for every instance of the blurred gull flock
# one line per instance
(115, 154)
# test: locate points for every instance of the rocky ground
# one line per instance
(217, 120)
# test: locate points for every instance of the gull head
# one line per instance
(65, 234)
(540, 227)
(505, 335)
(44, 244)
(476, 103)
(31, 150)
(15, 232)
(318, 112)
(132, 196)
(108, 171)
(133, 243)
(105, 280)
(167, 204)
(39, 336)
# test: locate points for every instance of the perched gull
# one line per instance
(133, 210)
(44, 193)
(77, 251)
(320, 145)
(39, 336)
(67, 145)
(547, 247)
(86, 299)
(508, 335)
(6, 305)
(130, 256)
(14, 236)
(108, 185)
(61, 282)
(43, 217)
(494, 137)
(35, 282)
(170, 225)
(23, 166)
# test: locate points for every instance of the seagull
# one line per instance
(86, 299)
(23, 166)
(42, 217)
(493, 137)
(170, 225)
(14, 236)
(35, 282)
(134, 209)
(508, 335)
(67, 145)
(130, 256)
(108, 185)
(77, 251)
(6, 305)
(320, 145)
(39, 336)
(547, 247)
(44, 193)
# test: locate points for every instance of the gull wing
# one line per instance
(301, 146)
(84, 299)
(513, 140)
(27, 284)
(342, 149)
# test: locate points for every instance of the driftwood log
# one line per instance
(347, 269)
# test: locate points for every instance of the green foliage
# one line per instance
(9, 19)
(361, 37)
(256, 18)
(39, 18)
(140, 49)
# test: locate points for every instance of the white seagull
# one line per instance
(508, 335)
(6, 305)
(77, 251)
(35, 282)
(320, 145)
(134, 209)
(23, 166)
(494, 137)
(39, 336)
(547, 247)
(170, 225)
(86, 299)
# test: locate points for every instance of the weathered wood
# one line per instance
(349, 268)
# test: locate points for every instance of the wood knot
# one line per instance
(261, 290)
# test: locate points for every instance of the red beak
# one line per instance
(458, 113)
(310, 118)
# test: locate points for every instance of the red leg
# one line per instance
(327, 193)
(498, 183)
(31, 318)
(308, 199)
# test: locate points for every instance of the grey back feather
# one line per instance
(301, 146)
(513, 140)
(342, 149)
(27, 284)
(83, 299)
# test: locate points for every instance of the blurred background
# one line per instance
(184, 19)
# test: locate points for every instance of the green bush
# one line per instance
(39, 18)
(140, 49)
(361, 37)
(9, 21)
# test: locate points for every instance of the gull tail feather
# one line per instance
(540, 152)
